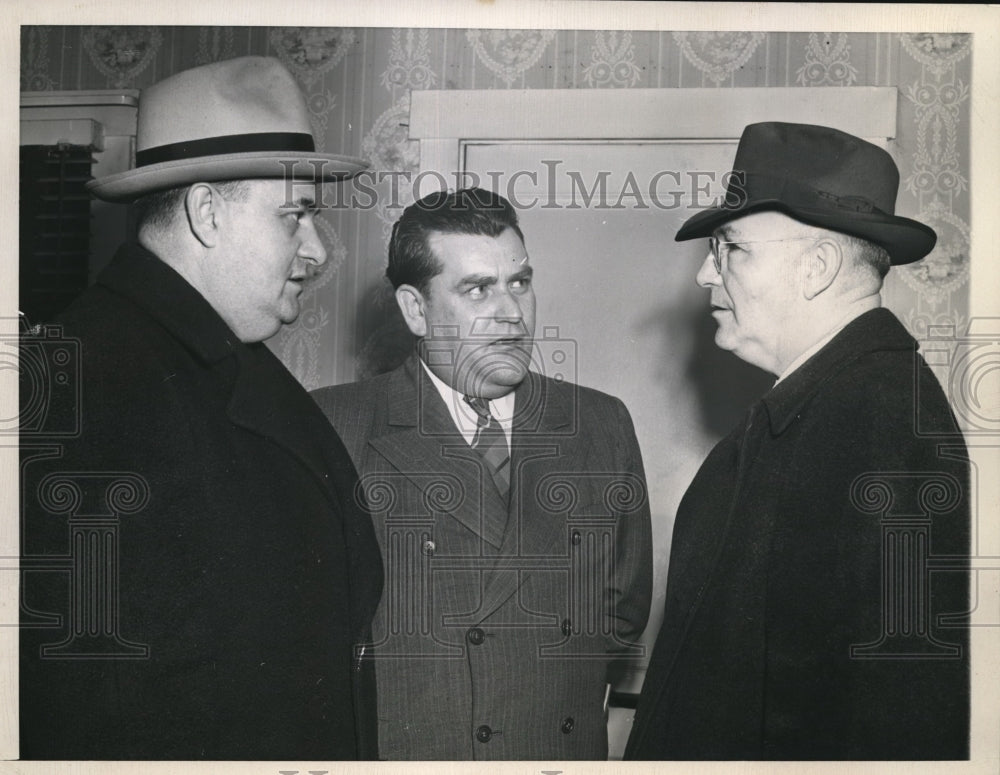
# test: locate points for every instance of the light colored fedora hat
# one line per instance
(232, 120)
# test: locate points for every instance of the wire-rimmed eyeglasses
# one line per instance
(718, 252)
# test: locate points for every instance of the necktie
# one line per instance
(491, 443)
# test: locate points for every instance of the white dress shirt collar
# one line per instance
(465, 417)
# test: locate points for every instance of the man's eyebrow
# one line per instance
(303, 202)
(524, 273)
(478, 279)
(725, 232)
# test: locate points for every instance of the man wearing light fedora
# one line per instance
(220, 613)
(815, 603)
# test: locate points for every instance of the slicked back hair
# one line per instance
(466, 211)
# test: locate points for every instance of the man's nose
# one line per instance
(312, 249)
(708, 275)
(508, 307)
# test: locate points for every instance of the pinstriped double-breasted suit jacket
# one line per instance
(498, 619)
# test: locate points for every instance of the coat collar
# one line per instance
(412, 402)
(168, 298)
(873, 331)
(264, 397)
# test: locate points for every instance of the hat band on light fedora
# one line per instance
(747, 188)
(273, 142)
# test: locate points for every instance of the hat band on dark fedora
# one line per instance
(273, 142)
(748, 188)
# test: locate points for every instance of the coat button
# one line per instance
(566, 627)
(576, 538)
(428, 546)
(483, 734)
(567, 725)
(476, 637)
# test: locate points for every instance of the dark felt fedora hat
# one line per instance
(820, 176)
(236, 119)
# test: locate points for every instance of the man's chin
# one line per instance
(497, 382)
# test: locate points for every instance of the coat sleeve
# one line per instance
(630, 589)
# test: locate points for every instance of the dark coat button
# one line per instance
(476, 636)
(567, 725)
(566, 627)
(483, 734)
(576, 538)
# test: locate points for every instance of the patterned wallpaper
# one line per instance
(358, 83)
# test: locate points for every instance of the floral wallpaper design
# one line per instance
(122, 53)
(321, 104)
(718, 54)
(215, 44)
(937, 51)
(947, 267)
(409, 61)
(612, 61)
(510, 53)
(395, 158)
(309, 52)
(828, 62)
(936, 179)
(35, 61)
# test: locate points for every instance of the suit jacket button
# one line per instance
(476, 637)
(566, 627)
(483, 734)
(567, 725)
(576, 538)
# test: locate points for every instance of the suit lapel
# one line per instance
(423, 444)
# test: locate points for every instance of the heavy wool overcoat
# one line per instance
(234, 572)
(816, 601)
(498, 619)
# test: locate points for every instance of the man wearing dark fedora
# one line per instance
(802, 617)
(211, 571)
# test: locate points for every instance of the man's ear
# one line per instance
(411, 303)
(202, 208)
(823, 262)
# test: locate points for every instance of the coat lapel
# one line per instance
(268, 401)
(423, 444)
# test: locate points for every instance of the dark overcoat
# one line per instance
(499, 618)
(815, 604)
(197, 571)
